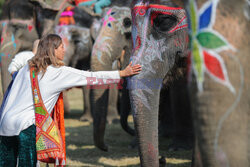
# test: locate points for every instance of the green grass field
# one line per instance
(82, 152)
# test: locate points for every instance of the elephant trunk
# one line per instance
(100, 61)
(9, 47)
(125, 110)
(144, 104)
(6, 77)
(99, 106)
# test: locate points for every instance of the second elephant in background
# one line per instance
(113, 38)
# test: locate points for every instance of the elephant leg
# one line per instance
(99, 101)
(166, 115)
(180, 104)
(196, 157)
(87, 115)
(113, 116)
(66, 103)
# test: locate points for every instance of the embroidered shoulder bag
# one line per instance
(50, 131)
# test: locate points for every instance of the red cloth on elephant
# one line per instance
(80, 1)
(67, 16)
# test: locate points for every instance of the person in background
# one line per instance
(22, 58)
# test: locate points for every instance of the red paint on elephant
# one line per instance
(138, 43)
(30, 28)
(152, 151)
(160, 10)
(213, 65)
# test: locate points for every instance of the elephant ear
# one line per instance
(104, 11)
(126, 20)
(51, 4)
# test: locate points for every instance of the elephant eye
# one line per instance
(164, 23)
(126, 22)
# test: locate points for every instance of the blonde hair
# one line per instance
(45, 55)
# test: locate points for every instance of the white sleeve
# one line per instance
(68, 77)
(19, 61)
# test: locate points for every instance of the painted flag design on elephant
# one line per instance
(206, 43)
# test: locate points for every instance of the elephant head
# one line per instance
(113, 38)
(17, 33)
(159, 33)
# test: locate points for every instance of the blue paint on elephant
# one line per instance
(1, 55)
(205, 18)
(13, 40)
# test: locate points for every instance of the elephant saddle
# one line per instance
(50, 130)
(67, 17)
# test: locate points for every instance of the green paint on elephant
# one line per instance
(210, 41)
(198, 61)
(193, 17)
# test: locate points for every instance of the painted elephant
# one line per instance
(114, 37)
(160, 40)
(18, 33)
(219, 45)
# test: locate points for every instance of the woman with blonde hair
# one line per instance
(29, 121)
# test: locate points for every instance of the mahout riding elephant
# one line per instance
(18, 32)
(160, 40)
(114, 38)
(219, 82)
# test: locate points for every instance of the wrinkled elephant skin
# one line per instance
(220, 86)
(159, 34)
(114, 37)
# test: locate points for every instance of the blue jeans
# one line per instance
(21, 147)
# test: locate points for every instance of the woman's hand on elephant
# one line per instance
(130, 70)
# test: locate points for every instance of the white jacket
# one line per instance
(18, 112)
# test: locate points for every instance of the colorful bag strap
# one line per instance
(50, 130)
